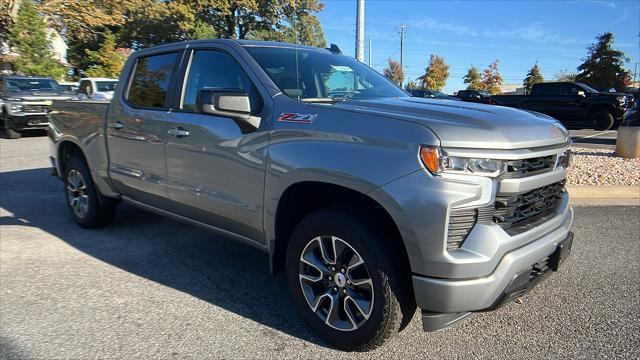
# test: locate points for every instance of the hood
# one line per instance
(469, 125)
(40, 95)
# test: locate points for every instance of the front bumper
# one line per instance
(442, 295)
(28, 122)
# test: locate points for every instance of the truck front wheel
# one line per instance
(346, 281)
(9, 133)
(602, 120)
(82, 196)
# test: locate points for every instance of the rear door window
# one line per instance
(149, 86)
(552, 89)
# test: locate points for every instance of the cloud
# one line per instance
(608, 4)
(534, 32)
(442, 26)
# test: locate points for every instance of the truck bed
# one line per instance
(517, 101)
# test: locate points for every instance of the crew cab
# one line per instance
(476, 96)
(575, 104)
(25, 101)
(373, 202)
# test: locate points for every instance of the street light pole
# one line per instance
(360, 32)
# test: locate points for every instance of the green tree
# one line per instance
(473, 79)
(106, 61)
(491, 79)
(565, 75)
(202, 30)
(394, 72)
(412, 85)
(533, 76)
(603, 67)
(29, 37)
(436, 74)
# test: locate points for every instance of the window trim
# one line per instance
(172, 80)
(184, 78)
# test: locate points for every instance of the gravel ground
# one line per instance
(151, 288)
(602, 167)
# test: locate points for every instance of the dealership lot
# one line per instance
(148, 287)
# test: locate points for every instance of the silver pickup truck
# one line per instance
(373, 202)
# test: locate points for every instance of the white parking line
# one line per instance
(594, 135)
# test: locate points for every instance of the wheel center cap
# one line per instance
(340, 279)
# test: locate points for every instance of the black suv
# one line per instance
(25, 101)
(476, 96)
(431, 94)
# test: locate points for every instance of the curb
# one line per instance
(604, 195)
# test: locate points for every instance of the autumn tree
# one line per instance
(142, 23)
(533, 76)
(565, 75)
(436, 74)
(28, 35)
(394, 72)
(603, 67)
(473, 79)
(106, 61)
(491, 79)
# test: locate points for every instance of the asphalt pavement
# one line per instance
(594, 138)
(148, 287)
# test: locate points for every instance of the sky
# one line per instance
(555, 34)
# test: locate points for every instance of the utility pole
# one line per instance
(370, 55)
(360, 32)
(402, 27)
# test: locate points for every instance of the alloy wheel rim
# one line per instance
(336, 283)
(77, 193)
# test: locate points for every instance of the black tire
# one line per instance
(393, 300)
(602, 120)
(9, 133)
(95, 214)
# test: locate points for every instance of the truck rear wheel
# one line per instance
(82, 196)
(345, 280)
(602, 120)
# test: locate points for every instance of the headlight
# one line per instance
(438, 162)
(622, 100)
(15, 107)
(564, 160)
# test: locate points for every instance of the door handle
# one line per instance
(178, 132)
(116, 125)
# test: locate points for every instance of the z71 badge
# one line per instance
(298, 118)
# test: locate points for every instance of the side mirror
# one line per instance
(231, 103)
(581, 94)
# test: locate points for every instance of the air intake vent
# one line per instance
(461, 221)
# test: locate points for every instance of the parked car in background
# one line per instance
(25, 103)
(632, 117)
(97, 88)
(371, 201)
(475, 96)
(574, 104)
(432, 94)
(69, 86)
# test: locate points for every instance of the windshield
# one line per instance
(27, 84)
(106, 85)
(588, 88)
(322, 75)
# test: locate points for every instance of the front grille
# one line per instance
(529, 167)
(515, 214)
(35, 109)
